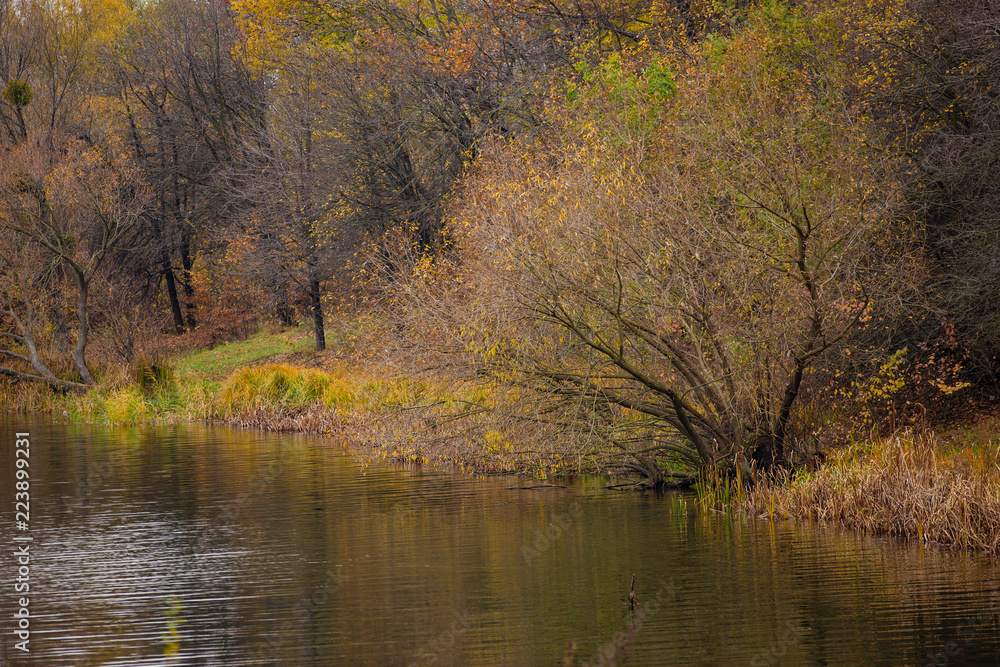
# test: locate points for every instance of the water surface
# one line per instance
(187, 545)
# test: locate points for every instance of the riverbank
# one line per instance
(941, 486)
(933, 488)
(375, 403)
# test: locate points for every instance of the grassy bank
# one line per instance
(276, 381)
(939, 487)
(936, 488)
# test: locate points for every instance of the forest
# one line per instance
(680, 240)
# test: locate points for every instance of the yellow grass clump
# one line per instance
(282, 385)
(900, 486)
(126, 406)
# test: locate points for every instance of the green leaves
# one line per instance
(660, 80)
(18, 93)
(619, 102)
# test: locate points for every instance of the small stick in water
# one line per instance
(631, 594)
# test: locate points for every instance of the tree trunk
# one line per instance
(283, 309)
(187, 263)
(317, 308)
(55, 383)
(83, 329)
(175, 304)
(181, 218)
(29, 342)
(60, 333)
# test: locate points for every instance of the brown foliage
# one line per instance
(63, 211)
(663, 276)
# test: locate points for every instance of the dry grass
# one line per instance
(904, 486)
(20, 397)
(387, 416)
(23, 397)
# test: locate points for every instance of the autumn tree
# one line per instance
(377, 109)
(16, 58)
(412, 89)
(298, 231)
(65, 204)
(678, 258)
(62, 213)
(191, 109)
(49, 65)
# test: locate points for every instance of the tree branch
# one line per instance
(55, 383)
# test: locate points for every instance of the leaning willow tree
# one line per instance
(662, 273)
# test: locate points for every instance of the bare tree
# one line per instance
(192, 107)
(68, 208)
(17, 57)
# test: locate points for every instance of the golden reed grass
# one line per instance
(902, 486)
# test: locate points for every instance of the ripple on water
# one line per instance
(197, 546)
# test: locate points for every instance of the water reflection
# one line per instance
(196, 546)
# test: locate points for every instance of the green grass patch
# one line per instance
(222, 360)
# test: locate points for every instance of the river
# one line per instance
(193, 545)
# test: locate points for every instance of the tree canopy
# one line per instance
(661, 226)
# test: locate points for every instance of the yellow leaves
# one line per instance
(75, 33)
(106, 17)
(425, 269)
(950, 388)
(271, 30)
(877, 393)
(497, 442)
